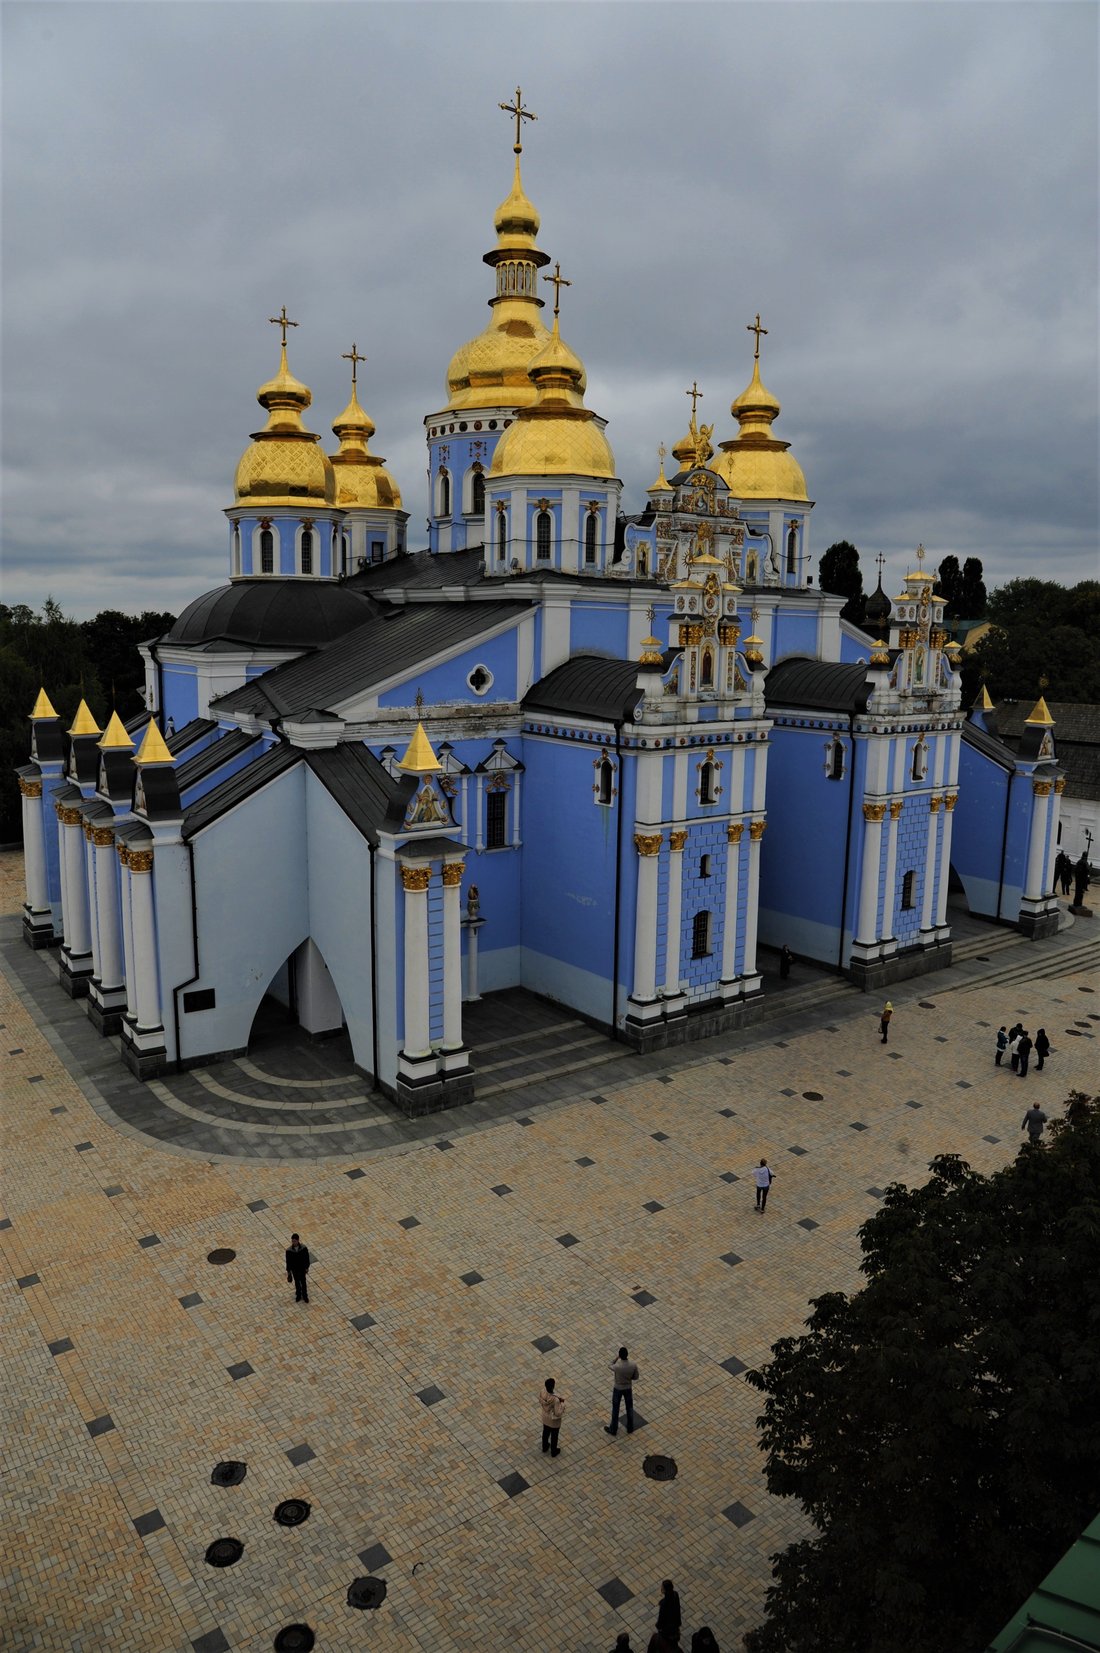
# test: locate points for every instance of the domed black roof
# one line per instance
(877, 611)
(273, 613)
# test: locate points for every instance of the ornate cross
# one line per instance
(521, 114)
(419, 702)
(755, 327)
(696, 396)
(558, 281)
(354, 358)
(881, 562)
(281, 320)
(663, 453)
(651, 616)
(920, 557)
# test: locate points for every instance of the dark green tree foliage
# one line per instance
(840, 574)
(941, 1427)
(972, 597)
(1042, 630)
(949, 586)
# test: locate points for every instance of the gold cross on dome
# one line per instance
(282, 320)
(558, 281)
(755, 327)
(354, 358)
(521, 114)
(696, 395)
(921, 553)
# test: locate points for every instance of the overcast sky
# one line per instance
(907, 193)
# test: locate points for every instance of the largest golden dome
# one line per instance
(285, 463)
(362, 480)
(557, 435)
(755, 464)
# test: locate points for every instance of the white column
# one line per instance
(417, 1027)
(729, 921)
(452, 956)
(648, 846)
(676, 841)
(129, 980)
(756, 832)
(1052, 836)
(63, 875)
(78, 935)
(107, 907)
(891, 868)
(930, 850)
(867, 925)
(34, 847)
(145, 939)
(1036, 849)
(87, 854)
(949, 802)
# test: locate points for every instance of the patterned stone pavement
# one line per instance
(453, 1271)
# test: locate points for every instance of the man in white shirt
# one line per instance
(762, 1176)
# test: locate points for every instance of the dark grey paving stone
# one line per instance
(60, 1109)
(241, 1369)
(5, 1222)
(34, 1079)
(374, 1557)
(653, 1206)
(567, 1240)
(659, 1136)
(786, 1093)
(149, 1240)
(799, 1151)
(738, 1514)
(781, 1044)
(643, 1298)
(431, 1396)
(191, 1301)
(843, 1073)
(964, 1084)
(472, 1279)
(212, 1642)
(615, 1593)
(600, 1101)
(876, 1193)
(354, 1175)
(808, 1224)
(444, 1145)
(513, 1484)
(940, 1039)
(301, 1454)
(927, 1004)
(733, 1366)
(728, 1176)
(151, 1521)
(812, 1096)
(913, 1104)
(17, 1050)
(363, 1322)
(27, 1280)
(664, 1078)
(991, 1139)
(725, 1061)
(727, 1113)
(83, 1147)
(101, 1426)
(525, 1122)
(544, 1344)
(895, 1056)
(501, 1188)
(60, 1346)
(257, 1205)
(731, 1258)
(584, 1161)
(409, 1222)
(857, 1125)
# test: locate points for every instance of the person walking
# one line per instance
(1034, 1120)
(1042, 1049)
(626, 1375)
(551, 1406)
(668, 1614)
(1023, 1052)
(1067, 873)
(1002, 1045)
(884, 1019)
(786, 959)
(763, 1177)
(1014, 1049)
(297, 1268)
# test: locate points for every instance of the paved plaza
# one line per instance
(458, 1262)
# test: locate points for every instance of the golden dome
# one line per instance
(516, 218)
(361, 478)
(558, 435)
(662, 484)
(285, 464)
(755, 465)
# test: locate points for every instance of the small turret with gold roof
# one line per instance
(373, 526)
(755, 464)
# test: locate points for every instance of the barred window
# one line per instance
(543, 529)
(700, 935)
(267, 552)
(496, 820)
(908, 890)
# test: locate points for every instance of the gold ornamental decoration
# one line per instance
(874, 812)
(67, 815)
(123, 855)
(1042, 789)
(452, 874)
(896, 809)
(756, 830)
(102, 837)
(88, 831)
(950, 800)
(677, 840)
(1059, 785)
(648, 843)
(416, 879)
(734, 831)
(934, 803)
(141, 860)
(30, 789)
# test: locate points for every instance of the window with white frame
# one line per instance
(267, 551)
(591, 530)
(834, 760)
(544, 529)
(700, 935)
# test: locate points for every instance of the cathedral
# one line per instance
(603, 750)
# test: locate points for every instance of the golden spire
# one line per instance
(557, 281)
(115, 736)
(1040, 714)
(755, 464)
(982, 702)
(420, 759)
(755, 327)
(42, 707)
(361, 477)
(153, 749)
(662, 484)
(284, 465)
(84, 723)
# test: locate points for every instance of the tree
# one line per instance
(1042, 630)
(840, 573)
(940, 1427)
(949, 585)
(111, 641)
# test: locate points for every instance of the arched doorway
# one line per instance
(300, 995)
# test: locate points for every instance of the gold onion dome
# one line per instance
(361, 477)
(755, 464)
(285, 464)
(558, 435)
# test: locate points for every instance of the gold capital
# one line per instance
(1042, 789)
(934, 803)
(67, 816)
(896, 809)
(755, 327)
(756, 830)
(734, 831)
(141, 860)
(30, 789)
(123, 855)
(677, 840)
(282, 321)
(1059, 785)
(648, 843)
(521, 114)
(102, 837)
(452, 874)
(874, 812)
(950, 799)
(88, 830)
(416, 879)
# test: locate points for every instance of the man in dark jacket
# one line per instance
(1023, 1052)
(1042, 1049)
(668, 1614)
(1033, 1122)
(297, 1268)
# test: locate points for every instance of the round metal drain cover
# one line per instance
(659, 1468)
(223, 1552)
(292, 1512)
(813, 1096)
(367, 1592)
(229, 1473)
(221, 1254)
(926, 1004)
(294, 1638)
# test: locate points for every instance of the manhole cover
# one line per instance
(813, 1096)
(659, 1468)
(294, 1638)
(367, 1592)
(291, 1512)
(223, 1552)
(926, 1004)
(221, 1254)
(229, 1473)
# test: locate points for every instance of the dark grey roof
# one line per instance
(274, 613)
(416, 570)
(385, 646)
(356, 780)
(1073, 721)
(817, 685)
(220, 799)
(588, 685)
(189, 734)
(988, 745)
(212, 757)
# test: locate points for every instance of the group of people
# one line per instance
(1067, 872)
(1019, 1044)
(666, 1637)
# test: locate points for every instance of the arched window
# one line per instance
(267, 552)
(643, 562)
(307, 550)
(920, 760)
(700, 935)
(344, 551)
(502, 535)
(792, 550)
(591, 528)
(706, 675)
(834, 760)
(908, 890)
(543, 528)
(704, 866)
(605, 789)
(477, 492)
(496, 820)
(236, 548)
(444, 494)
(707, 793)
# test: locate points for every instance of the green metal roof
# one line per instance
(1064, 1611)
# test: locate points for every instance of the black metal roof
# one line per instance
(988, 745)
(418, 569)
(386, 645)
(221, 799)
(365, 791)
(189, 734)
(588, 685)
(817, 685)
(272, 612)
(212, 757)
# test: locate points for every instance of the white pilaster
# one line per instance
(107, 906)
(87, 853)
(892, 869)
(1033, 888)
(949, 802)
(34, 849)
(145, 940)
(748, 963)
(452, 956)
(935, 804)
(78, 936)
(867, 924)
(127, 930)
(648, 846)
(63, 877)
(676, 841)
(729, 919)
(417, 1028)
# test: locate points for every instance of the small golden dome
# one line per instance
(662, 484)
(880, 654)
(558, 435)
(361, 479)
(516, 217)
(152, 748)
(42, 706)
(420, 759)
(285, 464)
(115, 736)
(84, 723)
(755, 465)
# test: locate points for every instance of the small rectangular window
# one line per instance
(908, 887)
(700, 935)
(496, 820)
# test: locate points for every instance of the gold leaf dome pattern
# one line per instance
(362, 480)
(557, 435)
(755, 464)
(285, 464)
